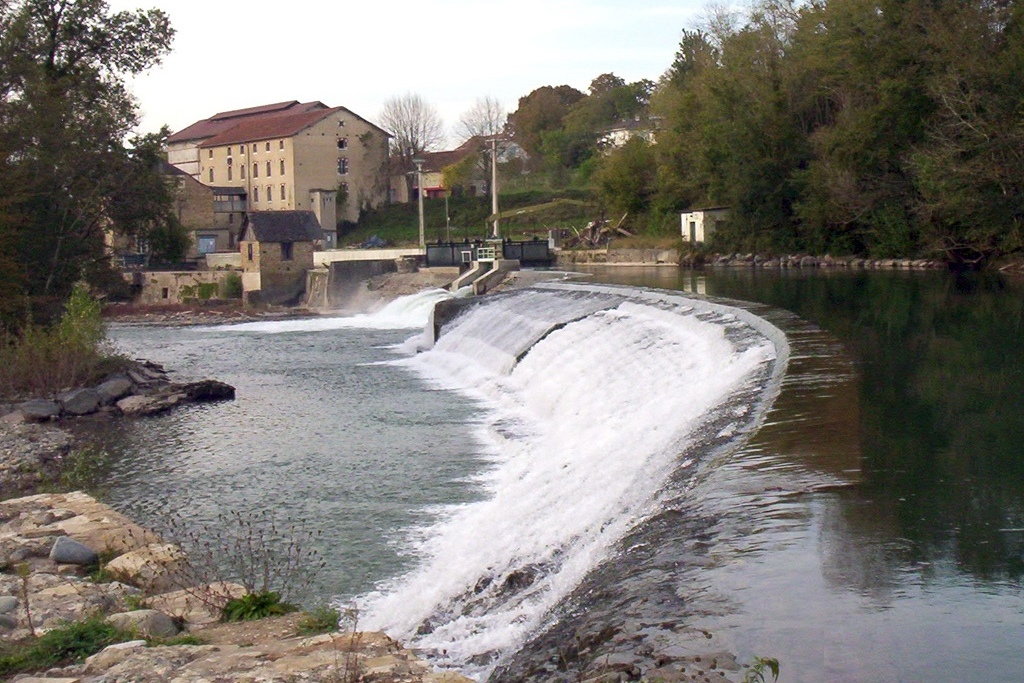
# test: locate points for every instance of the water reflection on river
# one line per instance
(872, 530)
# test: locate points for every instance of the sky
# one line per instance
(232, 54)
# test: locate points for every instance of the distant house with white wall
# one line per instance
(624, 131)
(698, 225)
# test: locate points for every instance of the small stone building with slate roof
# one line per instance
(277, 252)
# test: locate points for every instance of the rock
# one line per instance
(39, 410)
(13, 418)
(8, 622)
(199, 604)
(154, 568)
(144, 405)
(79, 401)
(112, 655)
(69, 551)
(113, 390)
(145, 622)
(8, 603)
(808, 262)
(208, 390)
(139, 379)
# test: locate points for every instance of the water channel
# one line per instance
(871, 530)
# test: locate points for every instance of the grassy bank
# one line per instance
(398, 224)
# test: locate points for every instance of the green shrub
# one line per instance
(231, 286)
(323, 619)
(255, 606)
(40, 361)
(70, 643)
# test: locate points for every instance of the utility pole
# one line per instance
(494, 185)
(419, 198)
(447, 219)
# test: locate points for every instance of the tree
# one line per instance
(486, 118)
(64, 116)
(542, 111)
(626, 178)
(415, 125)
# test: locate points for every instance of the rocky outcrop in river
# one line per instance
(143, 388)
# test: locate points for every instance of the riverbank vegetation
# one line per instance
(42, 360)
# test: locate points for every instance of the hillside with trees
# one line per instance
(877, 128)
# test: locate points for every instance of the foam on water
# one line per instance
(591, 397)
(406, 312)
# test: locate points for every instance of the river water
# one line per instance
(655, 477)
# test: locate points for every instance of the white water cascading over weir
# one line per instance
(597, 403)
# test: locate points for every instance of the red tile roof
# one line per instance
(219, 123)
(254, 129)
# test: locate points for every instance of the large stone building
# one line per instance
(290, 157)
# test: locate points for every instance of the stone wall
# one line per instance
(177, 287)
(618, 256)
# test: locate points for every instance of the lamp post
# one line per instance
(419, 199)
(494, 185)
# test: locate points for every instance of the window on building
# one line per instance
(230, 161)
(242, 167)
(286, 251)
(210, 153)
(255, 170)
(270, 193)
(255, 194)
(229, 151)
(211, 175)
(250, 250)
(342, 166)
(342, 143)
(206, 244)
(254, 148)
(280, 144)
(268, 146)
(282, 166)
(231, 219)
(284, 194)
(268, 168)
(241, 150)
(229, 173)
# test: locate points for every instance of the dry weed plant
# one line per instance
(255, 550)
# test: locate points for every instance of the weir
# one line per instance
(596, 403)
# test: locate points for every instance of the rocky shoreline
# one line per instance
(66, 558)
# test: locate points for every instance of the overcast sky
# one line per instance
(231, 54)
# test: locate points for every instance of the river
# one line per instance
(869, 530)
